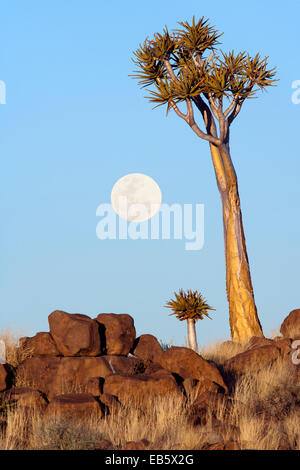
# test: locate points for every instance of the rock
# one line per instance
(137, 445)
(290, 327)
(25, 397)
(140, 389)
(6, 376)
(42, 344)
(79, 405)
(94, 385)
(188, 364)
(258, 341)
(194, 387)
(284, 344)
(252, 360)
(147, 347)
(117, 333)
(153, 368)
(75, 334)
(125, 365)
(57, 375)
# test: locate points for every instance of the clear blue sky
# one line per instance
(75, 122)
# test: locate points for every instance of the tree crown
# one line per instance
(178, 66)
(189, 305)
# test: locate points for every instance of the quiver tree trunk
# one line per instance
(244, 322)
(192, 338)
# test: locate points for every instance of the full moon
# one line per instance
(136, 197)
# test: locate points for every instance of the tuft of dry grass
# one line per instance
(219, 352)
(15, 354)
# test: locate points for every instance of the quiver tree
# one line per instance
(186, 67)
(190, 306)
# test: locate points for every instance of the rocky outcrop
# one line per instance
(57, 375)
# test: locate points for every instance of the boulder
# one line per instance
(194, 387)
(117, 333)
(6, 376)
(140, 389)
(188, 364)
(75, 334)
(57, 375)
(290, 327)
(25, 397)
(42, 344)
(252, 360)
(78, 405)
(147, 347)
(257, 342)
(284, 344)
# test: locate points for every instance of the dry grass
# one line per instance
(265, 411)
(15, 355)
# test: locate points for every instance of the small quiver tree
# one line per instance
(190, 306)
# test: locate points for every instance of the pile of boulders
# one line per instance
(88, 366)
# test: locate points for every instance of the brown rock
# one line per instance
(57, 375)
(290, 327)
(25, 397)
(137, 445)
(153, 368)
(75, 334)
(194, 387)
(42, 344)
(117, 333)
(125, 365)
(6, 376)
(93, 385)
(285, 346)
(252, 360)
(76, 405)
(188, 364)
(258, 341)
(147, 347)
(140, 389)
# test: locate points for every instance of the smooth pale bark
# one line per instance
(192, 338)
(244, 322)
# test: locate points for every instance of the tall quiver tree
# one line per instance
(186, 67)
